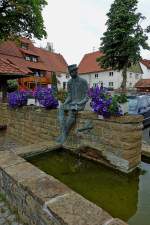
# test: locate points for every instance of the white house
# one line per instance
(145, 65)
(62, 80)
(95, 75)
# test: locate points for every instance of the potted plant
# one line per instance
(123, 103)
(103, 103)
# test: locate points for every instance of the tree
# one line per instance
(12, 85)
(54, 84)
(123, 38)
(21, 18)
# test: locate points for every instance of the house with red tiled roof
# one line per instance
(95, 75)
(33, 60)
(145, 65)
(143, 85)
(8, 71)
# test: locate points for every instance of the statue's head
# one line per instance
(73, 70)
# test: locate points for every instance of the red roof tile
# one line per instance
(49, 62)
(28, 52)
(6, 68)
(88, 63)
(143, 83)
(53, 61)
(146, 62)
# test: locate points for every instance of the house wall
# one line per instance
(146, 71)
(62, 78)
(105, 78)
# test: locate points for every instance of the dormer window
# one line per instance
(31, 58)
(34, 59)
(27, 58)
(24, 45)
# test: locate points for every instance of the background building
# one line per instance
(95, 75)
(38, 62)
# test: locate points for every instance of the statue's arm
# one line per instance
(86, 97)
(68, 99)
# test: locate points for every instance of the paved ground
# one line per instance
(7, 217)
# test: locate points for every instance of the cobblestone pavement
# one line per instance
(7, 217)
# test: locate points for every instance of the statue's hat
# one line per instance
(72, 67)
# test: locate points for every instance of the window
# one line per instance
(31, 58)
(130, 84)
(96, 75)
(24, 45)
(27, 58)
(136, 76)
(111, 84)
(111, 74)
(94, 84)
(130, 75)
(34, 59)
(64, 85)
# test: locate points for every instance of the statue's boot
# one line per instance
(61, 139)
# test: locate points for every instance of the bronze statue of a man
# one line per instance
(76, 101)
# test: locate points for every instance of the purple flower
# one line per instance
(103, 103)
(17, 98)
(46, 98)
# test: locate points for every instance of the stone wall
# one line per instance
(115, 142)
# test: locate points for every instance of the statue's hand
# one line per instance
(73, 103)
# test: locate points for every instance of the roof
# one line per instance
(47, 61)
(8, 69)
(143, 83)
(28, 52)
(146, 63)
(89, 64)
(53, 61)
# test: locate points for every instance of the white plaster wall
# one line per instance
(132, 79)
(105, 78)
(146, 71)
(62, 78)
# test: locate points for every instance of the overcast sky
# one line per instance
(75, 26)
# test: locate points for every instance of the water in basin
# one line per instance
(124, 196)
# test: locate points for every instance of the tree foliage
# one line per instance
(124, 37)
(54, 84)
(21, 17)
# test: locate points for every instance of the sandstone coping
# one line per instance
(35, 149)
(62, 205)
(146, 150)
(120, 119)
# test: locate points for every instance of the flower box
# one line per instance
(124, 107)
(32, 101)
(100, 117)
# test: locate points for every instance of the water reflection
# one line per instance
(113, 191)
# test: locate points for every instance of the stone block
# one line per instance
(8, 159)
(23, 171)
(115, 222)
(44, 188)
(72, 209)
